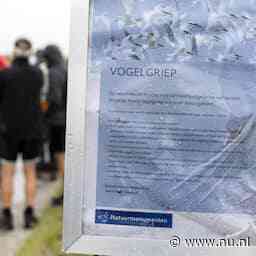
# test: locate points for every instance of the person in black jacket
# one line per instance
(20, 129)
(56, 114)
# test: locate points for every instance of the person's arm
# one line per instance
(43, 81)
(45, 87)
(55, 90)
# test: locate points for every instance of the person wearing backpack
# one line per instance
(20, 130)
(56, 113)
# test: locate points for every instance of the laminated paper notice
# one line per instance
(175, 117)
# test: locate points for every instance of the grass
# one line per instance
(45, 240)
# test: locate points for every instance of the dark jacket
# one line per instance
(20, 87)
(57, 97)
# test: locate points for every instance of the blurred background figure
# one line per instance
(46, 164)
(20, 90)
(39, 21)
(56, 113)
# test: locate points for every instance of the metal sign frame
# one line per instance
(75, 241)
(75, 131)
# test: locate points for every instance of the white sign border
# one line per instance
(76, 120)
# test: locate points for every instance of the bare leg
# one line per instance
(31, 182)
(60, 158)
(8, 170)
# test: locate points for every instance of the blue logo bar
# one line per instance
(144, 219)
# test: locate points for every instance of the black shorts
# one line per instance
(57, 139)
(10, 147)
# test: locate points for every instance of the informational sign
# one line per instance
(161, 131)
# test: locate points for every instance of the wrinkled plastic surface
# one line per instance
(181, 144)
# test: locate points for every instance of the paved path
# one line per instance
(9, 243)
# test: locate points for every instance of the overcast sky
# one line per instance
(45, 21)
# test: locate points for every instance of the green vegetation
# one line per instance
(45, 240)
